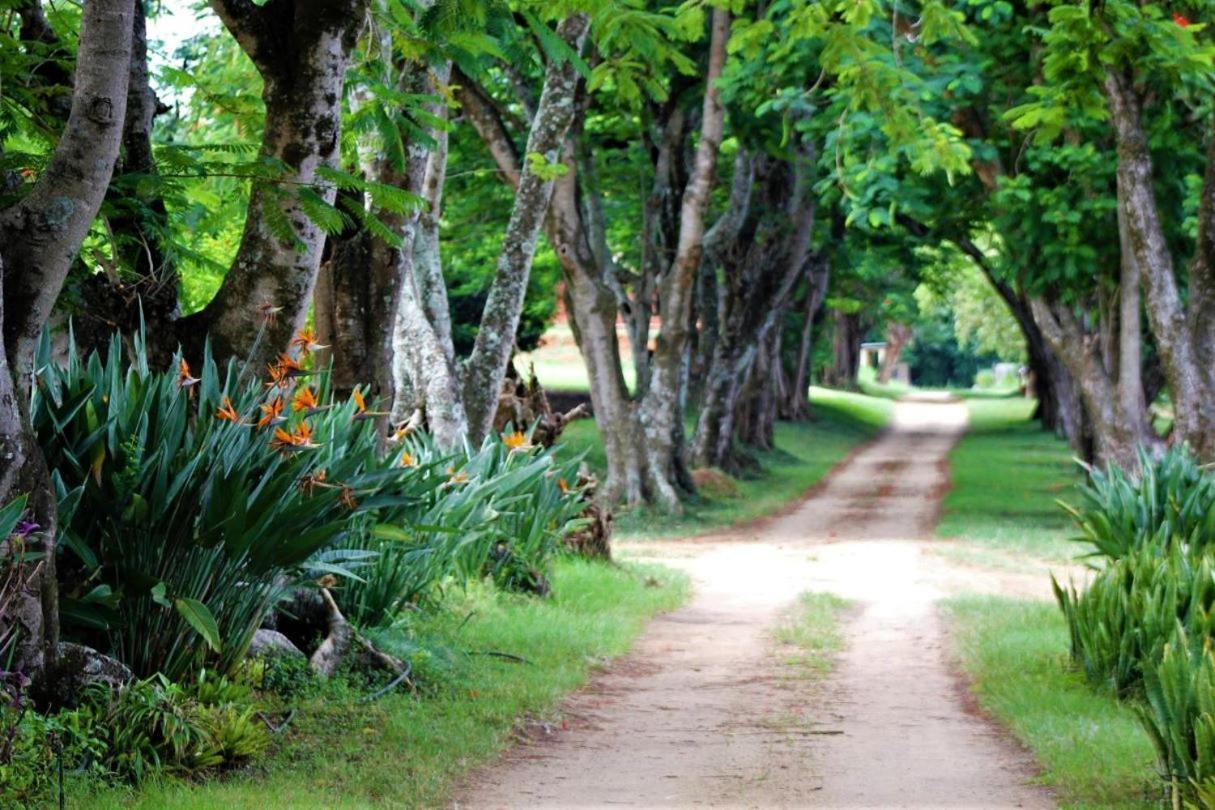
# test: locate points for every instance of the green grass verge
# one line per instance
(866, 380)
(404, 751)
(1006, 475)
(1092, 750)
(812, 633)
(804, 453)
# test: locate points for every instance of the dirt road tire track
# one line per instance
(702, 713)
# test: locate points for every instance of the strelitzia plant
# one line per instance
(190, 499)
(1170, 500)
(500, 509)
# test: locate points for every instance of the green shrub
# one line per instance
(288, 677)
(985, 378)
(1170, 500)
(497, 510)
(1144, 625)
(1179, 715)
(32, 746)
(157, 725)
(1121, 623)
(185, 519)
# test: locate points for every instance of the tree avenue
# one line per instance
(267, 243)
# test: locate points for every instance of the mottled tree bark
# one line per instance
(757, 280)
(590, 301)
(39, 238)
(427, 378)
(659, 408)
(757, 407)
(301, 49)
(1112, 399)
(1182, 336)
(659, 229)
(361, 287)
(495, 343)
(141, 289)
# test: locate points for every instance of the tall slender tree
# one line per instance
(40, 236)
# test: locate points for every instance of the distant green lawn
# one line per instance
(867, 381)
(1006, 474)
(805, 452)
(1090, 746)
(408, 751)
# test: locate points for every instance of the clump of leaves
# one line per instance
(156, 725)
(189, 504)
(1179, 716)
(288, 677)
(1169, 500)
(499, 510)
(1120, 624)
(32, 745)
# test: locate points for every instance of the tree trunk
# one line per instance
(757, 418)
(1118, 433)
(758, 277)
(425, 362)
(898, 335)
(659, 409)
(301, 50)
(39, 238)
(591, 303)
(659, 228)
(846, 350)
(1186, 365)
(360, 286)
(495, 343)
(797, 404)
(141, 288)
(1132, 404)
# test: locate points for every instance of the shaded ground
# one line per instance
(701, 714)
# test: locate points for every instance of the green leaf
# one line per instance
(158, 594)
(200, 618)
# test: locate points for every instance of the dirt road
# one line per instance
(703, 713)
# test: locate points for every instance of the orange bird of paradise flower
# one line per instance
(305, 400)
(407, 460)
(299, 439)
(305, 341)
(272, 413)
(283, 371)
(227, 412)
(516, 441)
(360, 407)
(289, 366)
(184, 379)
